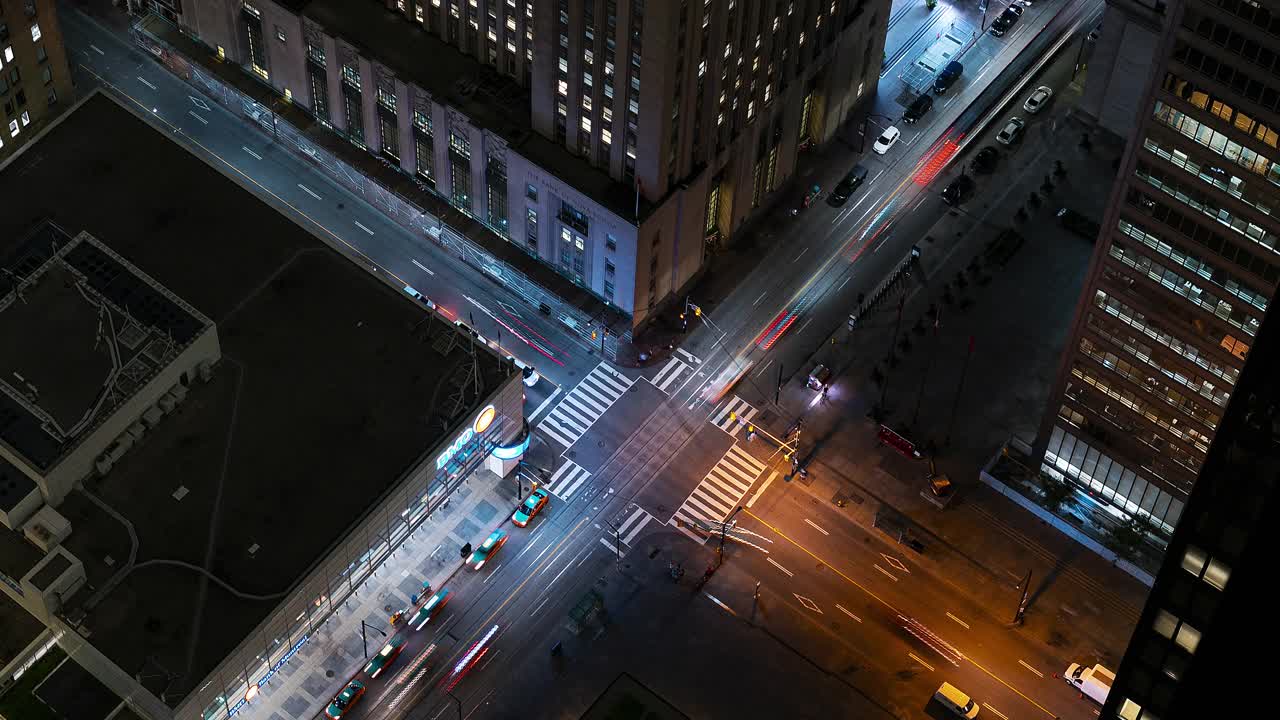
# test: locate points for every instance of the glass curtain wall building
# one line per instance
(1184, 273)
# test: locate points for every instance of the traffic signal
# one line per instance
(595, 335)
(697, 311)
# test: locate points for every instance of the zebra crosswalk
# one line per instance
(579, 410)
(667, 377)
(628, 530)
(567, 479)
(733, 415)
(720, 491)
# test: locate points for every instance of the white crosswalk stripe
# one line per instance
(629, 529)
(668, 375)
(720, 491)
(567, 479)
(725, 418)
(688, 356)
(579, 410)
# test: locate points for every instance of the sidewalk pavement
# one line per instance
(335, 651)
(1016, 317)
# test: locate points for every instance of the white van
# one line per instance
(1094, 682)
(951, 698)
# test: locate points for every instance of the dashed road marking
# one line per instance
(254, 154)
(144, 82)
(362, 227)
(887, 573)
(815, 526)
(309, 191)
(193, 114)
(724, 607)
(423, 268)
(1025, 665)
(996, 712)
(846, 612)
(775, 564)
(917, 659)
(96, 49)
(958, 621)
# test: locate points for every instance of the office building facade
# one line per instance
(35, 80)
(1185, 269)
(620, 142)
(1212, 599)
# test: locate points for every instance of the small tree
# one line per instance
(931, 4)
(1056, 492)
(1125, 539)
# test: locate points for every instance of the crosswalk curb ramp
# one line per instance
(579, 410)
(719, 492)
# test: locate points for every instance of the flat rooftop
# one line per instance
(491, 100)
(331, 386)
(96, 331)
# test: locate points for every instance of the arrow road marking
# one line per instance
(198, 102)
(144, 82)
(959, 622)
(424, 268)
(193, 114)
(256, 155)
(775, 564)
(809, 604)
(815, 526)
(846, 612)
(362, 227)
(310, 192)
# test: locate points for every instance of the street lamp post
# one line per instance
(364, 639)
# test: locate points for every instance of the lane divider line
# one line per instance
(144, 82)
(193, 114)
(815, 526)
(775, 564)
(1037, 672)
(254, 154)
(913, 656)
(362, 227)
(887, 573)
(309, 191)
(846, 612)
(958, 621)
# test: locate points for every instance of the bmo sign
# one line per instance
(479, 425)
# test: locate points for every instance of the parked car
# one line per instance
(1006, 20)
(918, 108)
(1079, 224)
(947, 77)
(985, 160)
(886, 140)
(1011, 131)
(847, 185)
(958, 191)
(1038, 99)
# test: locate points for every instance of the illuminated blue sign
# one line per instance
(479, 425)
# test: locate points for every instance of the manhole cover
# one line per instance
(599, 443)
(328, 673)
(386, 608)
(573, 454)
(340, 206)
(633, 388)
